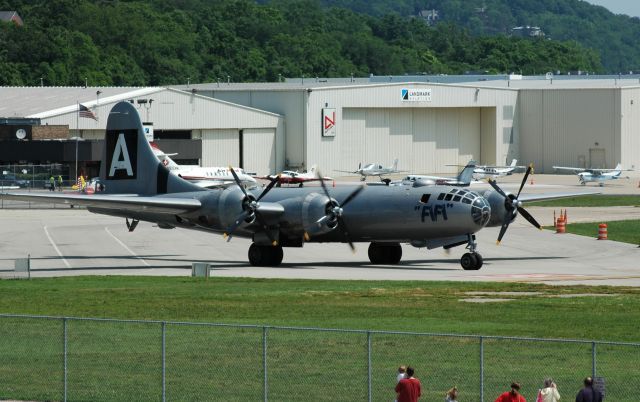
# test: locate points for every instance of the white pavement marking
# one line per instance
(127, 248)
(56, 248)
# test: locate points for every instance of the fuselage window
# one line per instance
(425, 198)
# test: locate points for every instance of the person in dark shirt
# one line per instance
(408, 388)
(588, 394)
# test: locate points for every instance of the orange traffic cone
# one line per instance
(602, 231)
(560, 226)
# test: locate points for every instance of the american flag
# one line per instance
(84, 111)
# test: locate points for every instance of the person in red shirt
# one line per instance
(513, 395)
(408, 389)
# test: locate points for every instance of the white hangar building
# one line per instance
(569, 120)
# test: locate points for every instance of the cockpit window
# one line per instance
(480, 211)
(448, 197)
(457, 198)
(441, 197)
(425, 198)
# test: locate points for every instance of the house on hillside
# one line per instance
(527, 32)
(430, 17)
(11, 16)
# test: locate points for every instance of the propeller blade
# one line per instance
(526, 215)
(324, 188)
(229, 232)
(503, 230)
(273, 182)
(320, 221)
(524, 180)
(345, 231)
(352, 196)
(498, 189)
(238, 182)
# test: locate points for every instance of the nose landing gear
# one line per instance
(471, 261)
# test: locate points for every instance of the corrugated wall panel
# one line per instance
(220, 148)
(349, 142)
(630, 128)
(530, 124)
(468, 135)
(401, 137)
(576, 121)
(259, 150)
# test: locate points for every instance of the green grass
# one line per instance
(623, 231)
(590, 201)
(116, 361)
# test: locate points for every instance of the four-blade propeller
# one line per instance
(251, 208)
(335, 211)
(513, 206)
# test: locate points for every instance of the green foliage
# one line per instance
(590, 201)
(143, 42)
(624, 231)
(613, 37)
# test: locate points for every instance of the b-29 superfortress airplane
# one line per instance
(139, 187)
(595, 175)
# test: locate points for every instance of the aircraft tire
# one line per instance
(265, 256)
(385, 253)
(471, 261)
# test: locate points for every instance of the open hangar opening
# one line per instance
(376, 124)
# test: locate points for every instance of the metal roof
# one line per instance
(32, 101)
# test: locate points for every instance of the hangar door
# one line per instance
(220, 147)
(259, 150)
(424, 140)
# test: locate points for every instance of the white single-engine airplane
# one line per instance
(595, 175)
(206, 177)
(374, 169)
(463, 179)
(139, 187)
(295, 177)
(489, 171)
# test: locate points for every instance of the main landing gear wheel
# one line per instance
(471, 261)
(385, 253)
(265, 256)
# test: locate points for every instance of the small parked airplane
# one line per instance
(294, 177)
(205, 177)
(463, 179)
(138, 187)
(489, 171)
(374, 169)
(595, 175)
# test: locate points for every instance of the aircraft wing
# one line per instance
(572, 169)
(133, 203)
(346, 171)
(553, 196)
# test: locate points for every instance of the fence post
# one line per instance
(594, 368)
(481, 369)
(164, 361)
(265, 384)
(64, 359)
(369, 370)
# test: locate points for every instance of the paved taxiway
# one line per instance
(75, 242)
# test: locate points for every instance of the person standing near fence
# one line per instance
(513, 395)
(402, 373)
(588, 394)
(52, 184)
(549, 393)
(408, 388)
(59, 182)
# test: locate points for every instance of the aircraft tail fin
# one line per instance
(395, 164)
(513, 162)
(466, 174)
(618, 166)
(163, 157)
(313, 169)
(129, 165)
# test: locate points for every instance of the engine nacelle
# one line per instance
(303, 216)
(498, 208)
(230, 206)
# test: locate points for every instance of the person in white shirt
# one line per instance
(549, 393)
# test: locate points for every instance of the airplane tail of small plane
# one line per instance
(466, 174)
(313, 169)
(513, 163)
(163, 157)
(395, 164)
(129, 165)
(618, 167)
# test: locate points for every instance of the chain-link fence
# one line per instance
(35, 178)
(76, 359)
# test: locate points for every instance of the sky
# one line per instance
(629, 7)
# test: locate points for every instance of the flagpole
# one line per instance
(77, 134)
